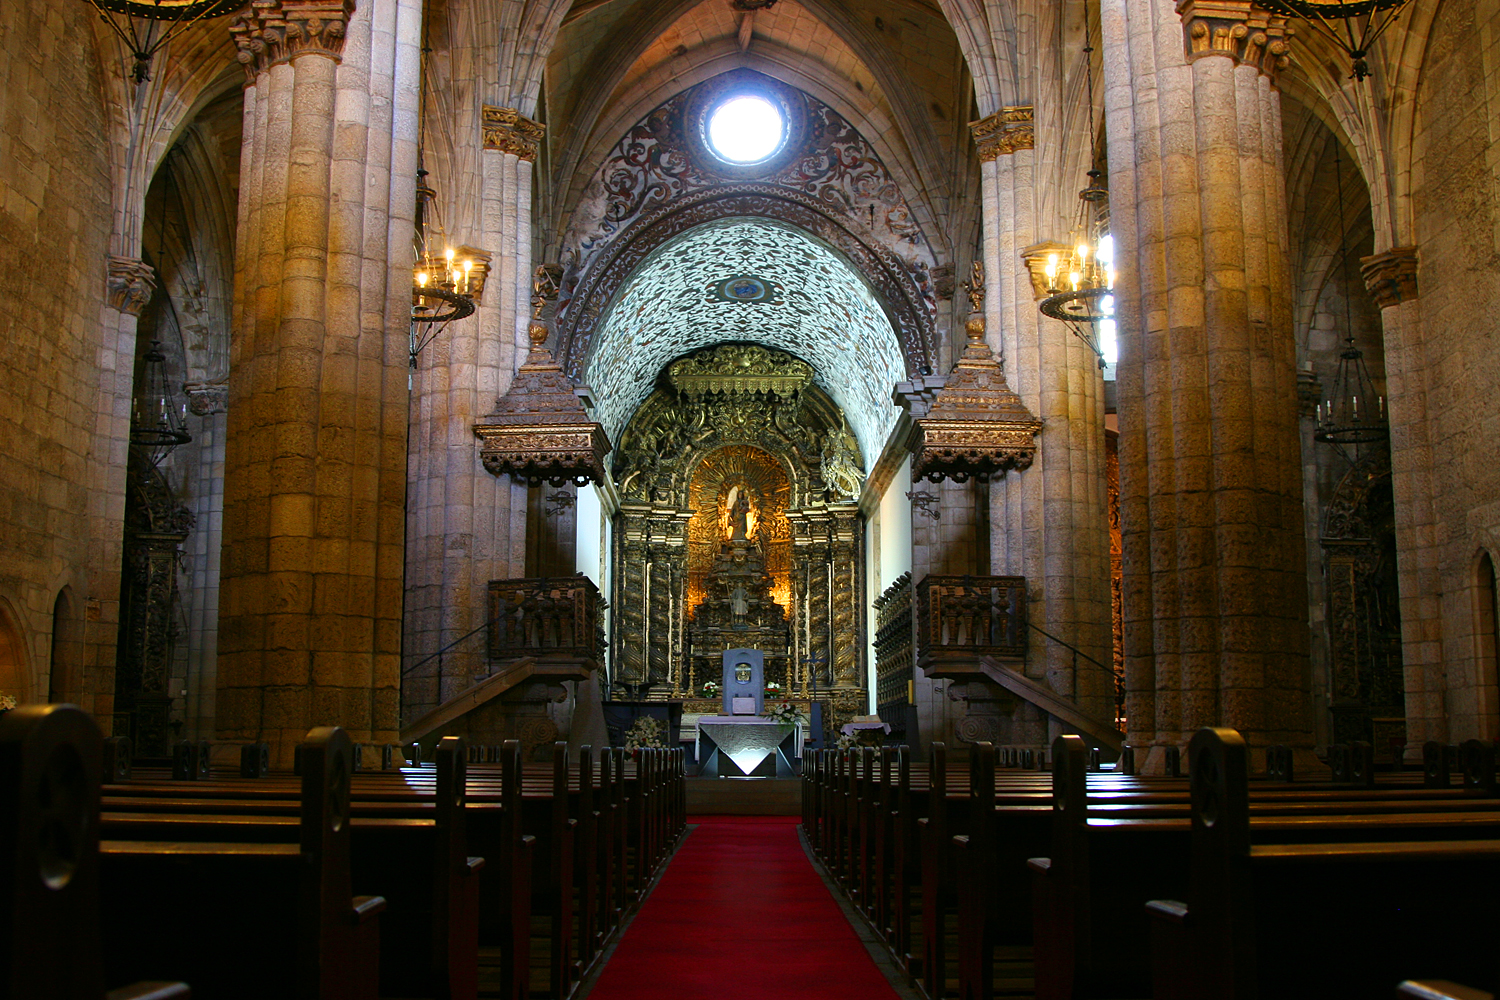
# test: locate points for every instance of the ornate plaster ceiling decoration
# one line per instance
(665, 158)
(828, 317)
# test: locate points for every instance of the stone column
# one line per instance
(1391, 278)
(1210, 478)
(467, 526)
(205, 545)
(1049, 522)
(310, 614)
(130, 283)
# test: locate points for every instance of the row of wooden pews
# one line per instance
(450, 880)
(988, 882)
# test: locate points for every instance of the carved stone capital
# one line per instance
(1391, 277)
(275, 31)
(1004, 132)
(1309, 392)
(509, 131)
(129, 283)
(205, 398)
(1243, 31)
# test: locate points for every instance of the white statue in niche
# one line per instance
(741, 514)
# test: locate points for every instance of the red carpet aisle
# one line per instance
(741, 915)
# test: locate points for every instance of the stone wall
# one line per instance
(54, 229)
(1456, 206)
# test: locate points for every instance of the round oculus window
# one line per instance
(746, 129)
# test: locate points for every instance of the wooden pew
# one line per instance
(411, 851)
(193, 906)
(50, 764)
(1327, 917)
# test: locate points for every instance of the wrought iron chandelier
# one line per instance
(144, 43)
(1079, 279)
(1354, 414)
(445, 280)
(1363, 23)
(158, 423)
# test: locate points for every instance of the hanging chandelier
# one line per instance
(1354, 414)
(1363, 23)
(145, 41)
(445, 280)
(158, 423)
(1076, 282)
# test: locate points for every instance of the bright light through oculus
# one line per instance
(746, 129)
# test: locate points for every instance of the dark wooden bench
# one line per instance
(193, 906)
(50, 914)
(1347, 913)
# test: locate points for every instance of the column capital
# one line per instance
(1004, 132)
(276, 31)
(1245, 32)
(509, 131)
(205, 398)
(129, 283)
(1391, 277)
(1309, 392)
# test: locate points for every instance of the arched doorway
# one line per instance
(1486, 613)
(63, 679)
(15, 687)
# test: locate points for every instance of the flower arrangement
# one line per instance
(711, 689)
(773, 690)
(7, 702)
(785, 713)
(646, 732)
(846, 741)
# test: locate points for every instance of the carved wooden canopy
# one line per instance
(539, 430)
(974, 425)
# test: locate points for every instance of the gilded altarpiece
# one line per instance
(739, 526)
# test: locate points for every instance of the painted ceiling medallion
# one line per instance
(746, 288)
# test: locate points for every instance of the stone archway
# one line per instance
(14, 664)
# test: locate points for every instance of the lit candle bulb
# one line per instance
(1051, 268)
(1074, 277)
(1083, 254)
(468, 266)
(1356, 408)
(1319, 417)
(1380, 406)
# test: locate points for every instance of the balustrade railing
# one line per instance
(895, 657)
(546, 617)
(964, 617)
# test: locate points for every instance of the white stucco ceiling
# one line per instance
(824, 313)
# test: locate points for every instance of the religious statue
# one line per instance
(739, 517)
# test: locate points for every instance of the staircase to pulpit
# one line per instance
(969, 629)
(543, 638)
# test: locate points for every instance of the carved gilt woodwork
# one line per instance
(539, 431)
(974, 425)
(738, 474)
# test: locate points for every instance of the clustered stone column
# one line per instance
(315, 455)
(468, 527)
(1210, 478)
(1050, 522)
(1391, 278)
(130, 283)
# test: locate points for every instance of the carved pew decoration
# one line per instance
(49, 871)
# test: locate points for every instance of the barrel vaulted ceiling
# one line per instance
(817, 307)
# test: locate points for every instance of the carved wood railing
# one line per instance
(960, 618)
(551, 617)
(895, 655)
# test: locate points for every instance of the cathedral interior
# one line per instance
(997, 368)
